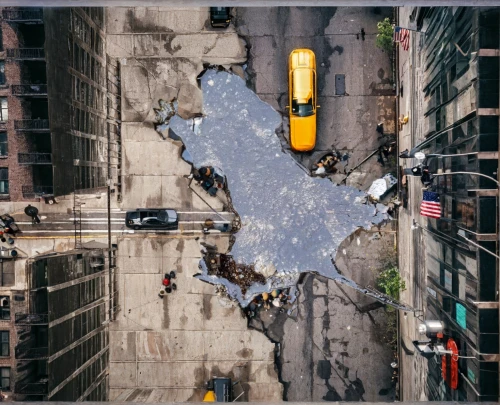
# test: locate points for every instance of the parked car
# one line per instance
(148, 218)
(302, 99)
(220, 17)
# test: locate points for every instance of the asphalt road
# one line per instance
(95, 222)
(346, 123)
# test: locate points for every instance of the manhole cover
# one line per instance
(339, 85)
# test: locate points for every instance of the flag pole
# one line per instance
(409, 29)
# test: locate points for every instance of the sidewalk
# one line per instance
(413, 367)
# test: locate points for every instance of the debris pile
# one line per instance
(242, 275)
(164, 114)
(381, 187)
(328, 163)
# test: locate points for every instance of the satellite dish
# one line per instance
(420, 155)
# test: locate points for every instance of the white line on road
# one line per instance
(70, 231)
(96, 219)
(205, 212)
(71, 222)
(144, 232)
(202, 222)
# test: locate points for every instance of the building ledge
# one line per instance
(478, 192)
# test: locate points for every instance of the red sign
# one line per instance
(449, 365)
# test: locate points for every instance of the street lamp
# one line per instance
(474, 173)
(461, 232)
(421, 156)
(420, 169)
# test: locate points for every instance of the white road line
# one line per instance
(202, 222)
(115, 222)
(96, 219)
(205, 212)
(71, 223)
(101, 209)
(71, 233)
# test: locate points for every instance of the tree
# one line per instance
(384, 36)
(389, 282)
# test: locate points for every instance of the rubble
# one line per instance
(381, 187)
(164, 114)
(239, 274)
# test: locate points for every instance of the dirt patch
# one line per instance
(240, 274)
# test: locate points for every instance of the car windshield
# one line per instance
(162, 216)
(219, 13)
(167, 216)
(302, 110)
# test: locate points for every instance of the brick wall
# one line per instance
(19, 175)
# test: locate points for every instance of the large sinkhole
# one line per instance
(290, 222)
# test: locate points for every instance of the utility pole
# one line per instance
(110, 246)
(110, 253)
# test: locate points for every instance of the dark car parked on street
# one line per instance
(220, 17)
(151, 218)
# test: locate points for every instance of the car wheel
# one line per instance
(137, 227)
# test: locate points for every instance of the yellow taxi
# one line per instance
(302, 99)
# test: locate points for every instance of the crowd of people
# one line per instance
(276, 298)
(209, 179)
(8, 229)
(168, 283)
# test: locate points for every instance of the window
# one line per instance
(2, 72)
(4, 109)
(5, 341)
(152, 222)
(7, 273)
(5, 308)
(4, 180)
(3, 144)
(5, 375)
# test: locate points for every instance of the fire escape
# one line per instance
(33, 128)
(31, 353)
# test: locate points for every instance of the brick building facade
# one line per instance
(59, 133)
(59, 123)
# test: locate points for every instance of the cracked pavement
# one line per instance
(346, 123)
(332, 346)
(161, 57)
(164, 350)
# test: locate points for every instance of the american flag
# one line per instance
(430, 207)
(402, 35)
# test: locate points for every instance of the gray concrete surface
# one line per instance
(162, 50)
(166, 349)
(333, 346)
(148, 360)
(155, 174)
(346, 123)
(412, 249)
